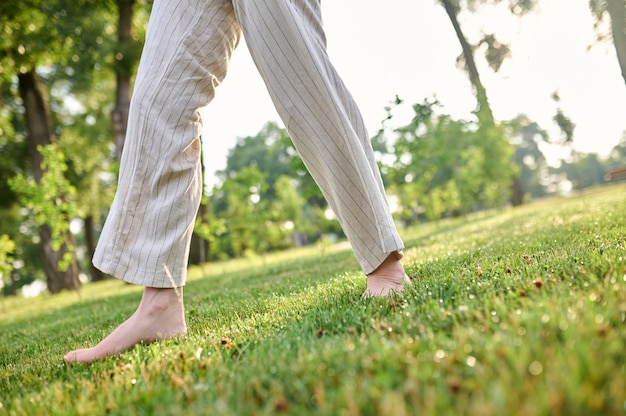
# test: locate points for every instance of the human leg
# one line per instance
(288, 45)
(146, 237)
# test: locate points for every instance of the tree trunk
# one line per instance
(119, 116)
(617, 11)
(484, 110)
(517, 193)
(90, 245)
(12, 291)
(39, 130)
(57, 280)
(199, 246)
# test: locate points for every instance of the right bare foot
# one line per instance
(388, 278)
(160, 315)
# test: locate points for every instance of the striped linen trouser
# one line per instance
(146, 237)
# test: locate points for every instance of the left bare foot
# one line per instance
(160, 315)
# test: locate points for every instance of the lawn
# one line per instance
(513, 312)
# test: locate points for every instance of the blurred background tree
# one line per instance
(57, 60)
(615, 12)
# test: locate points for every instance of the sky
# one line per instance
(408, 48)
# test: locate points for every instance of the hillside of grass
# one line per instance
(513, 312)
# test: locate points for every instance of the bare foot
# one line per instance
(388, 277)
(160, 315)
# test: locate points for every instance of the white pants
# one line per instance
(188, 46)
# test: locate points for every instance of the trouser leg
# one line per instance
(147, 233)
(287, 43)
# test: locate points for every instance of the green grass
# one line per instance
(519, 311)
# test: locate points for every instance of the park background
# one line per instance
(532, 107)
(505, 186)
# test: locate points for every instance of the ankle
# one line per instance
(391, 266)
(156, 301)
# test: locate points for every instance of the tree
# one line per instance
(495, 51)
(246, 211)
(75, 56)
(566, 125)
(617, 156)
(50, 200)
(447, 167)
(73, 50)
(7, 250)
(13, 160)
(266, 201)
(287, 213)
(533, 166)
(127, 55)
(27, 26)
(615, 11)
(266, 150)
(40, 134)
(583, 170)
(452, 9)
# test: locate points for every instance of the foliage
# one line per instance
(209, 229)
(267, 200)
(583, 170)
(495, 51)
(266, 195)
(598, 9)
(268, 151)
(517, 7)
(50, 201)
(27, 25)
(617, 156)
(527, 137)
(446, 167)
(13, 147)
(516, 312)
(76, 54)
(566, 125)
(246, 212)
(615, 12)
(7, 248)
(18, 226)
(578, 171)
